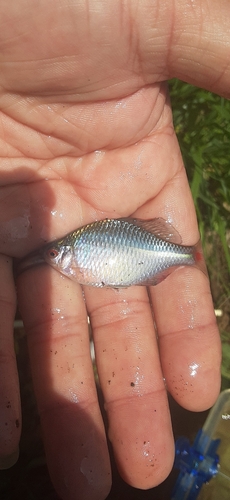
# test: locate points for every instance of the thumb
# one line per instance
(198, 42)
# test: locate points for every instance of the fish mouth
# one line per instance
(32, 260)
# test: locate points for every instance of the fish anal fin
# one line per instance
(199, 263)
(159, 227)
(158, 278)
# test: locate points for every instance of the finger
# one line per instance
(188, 339)
(55, 319)
(10, 411)
(200, 45)
(188, 336)
(131, 380)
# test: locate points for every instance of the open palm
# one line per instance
(86, 133)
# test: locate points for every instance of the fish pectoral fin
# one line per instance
(159, 227)
(82, 275)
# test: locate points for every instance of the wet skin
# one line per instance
(87, 133)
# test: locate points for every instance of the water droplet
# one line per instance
(193, 369)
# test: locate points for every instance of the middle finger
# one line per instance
(132, 383)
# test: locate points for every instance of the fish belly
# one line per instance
(112, 268)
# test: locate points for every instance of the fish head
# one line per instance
(59, 257)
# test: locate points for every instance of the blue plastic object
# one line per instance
(199, 463)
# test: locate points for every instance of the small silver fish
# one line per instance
(118, 253)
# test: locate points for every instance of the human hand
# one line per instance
(87, 133)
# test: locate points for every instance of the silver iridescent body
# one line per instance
(119, 253)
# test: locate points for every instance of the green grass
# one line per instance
(202, 124)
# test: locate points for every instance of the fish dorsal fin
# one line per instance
(159, 227)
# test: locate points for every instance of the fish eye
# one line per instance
(52, 253)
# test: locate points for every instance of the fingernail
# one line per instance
(9, 460)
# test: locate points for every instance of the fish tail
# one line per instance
(199, 258)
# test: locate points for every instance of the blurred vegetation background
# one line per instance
(202, 123)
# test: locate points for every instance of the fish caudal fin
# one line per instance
(199, 258)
